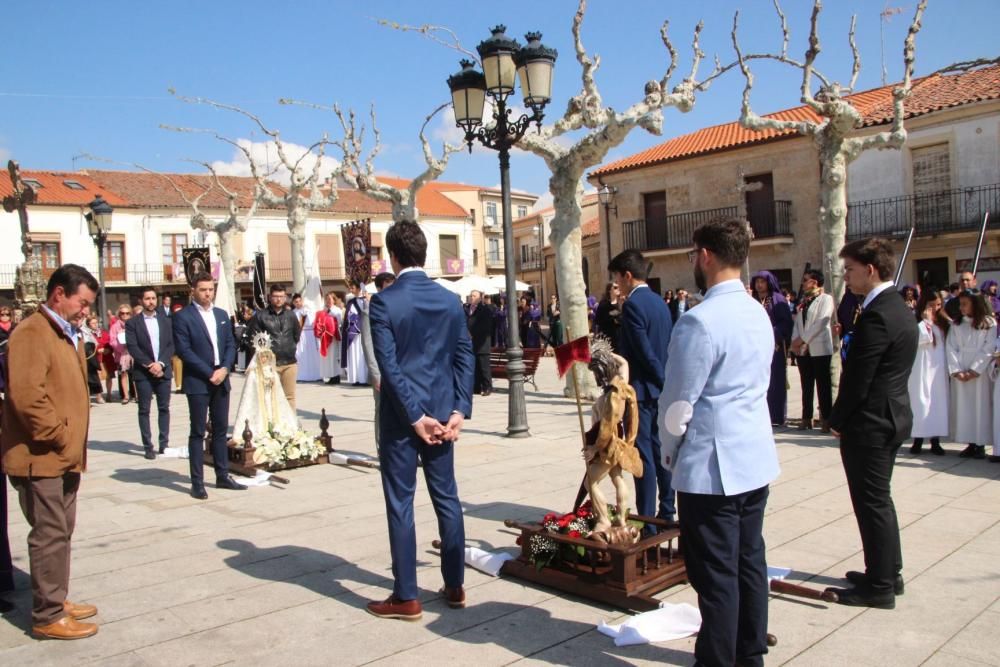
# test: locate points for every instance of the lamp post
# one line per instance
(606, 195)
(503, 58)
(99, 224)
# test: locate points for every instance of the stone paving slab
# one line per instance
(280, 575)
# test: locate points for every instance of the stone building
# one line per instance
(942, 182)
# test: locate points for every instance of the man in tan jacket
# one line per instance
(44, 444)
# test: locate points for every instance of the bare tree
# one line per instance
(838, 119)
(403, 200)
(605, 129)
(304, 193)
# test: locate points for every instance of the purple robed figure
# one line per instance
(591, 311)
(531, 314)
(500, 325)
(992, 300)
(776, 306)
(352, 328)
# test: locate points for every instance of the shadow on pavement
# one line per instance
(167, 479)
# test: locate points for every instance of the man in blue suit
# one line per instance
(150, 342)
(643, 339)
(716, 436)
(203, 337)
(424, 353)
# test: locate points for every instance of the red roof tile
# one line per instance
(55, 192)
(591, 227)
(929, 94)
(430, 198)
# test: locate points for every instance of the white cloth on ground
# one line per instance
(485, 561)
(669, 622)
(928, 384)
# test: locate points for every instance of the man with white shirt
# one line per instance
(715, 432)
(204, 340)
(150, 341)
(872, 416)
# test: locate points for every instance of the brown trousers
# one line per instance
(49, 505)
(289, 375)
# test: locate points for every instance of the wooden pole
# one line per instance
(979, 245)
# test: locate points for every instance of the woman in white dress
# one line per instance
(307, 350)
(971, 343)
(928, 383)
(329, 323)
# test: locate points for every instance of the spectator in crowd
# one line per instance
(555, 321)
(966, 284)
(327, 332)
(928, 384)
(989, 292)
(282, 325)
(43, 442)
(607, 320)
(910, 295)
(6, 328)
(768, 293)
(479, 318)
(123, 360)
(971, 343)
(500, 323)
(91, 332)
(529, 315)
(812, 343)
(352, 354)
(644, 340)
(150, 339)
(679, 305)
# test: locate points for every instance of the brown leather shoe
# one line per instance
(79, 611)
(404, 610)
(824, 426)
(454, 596)
(805, 424)
(65, 628)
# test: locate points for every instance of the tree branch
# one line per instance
(967, 65)
(431, 32)
(856, 68)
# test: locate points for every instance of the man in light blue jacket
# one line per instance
(715, 434)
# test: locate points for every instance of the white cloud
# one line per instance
(4, 156)
(265, 154)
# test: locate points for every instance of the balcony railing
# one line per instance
(957, 210)
(494, 260)
(530, 262)
(675, 231)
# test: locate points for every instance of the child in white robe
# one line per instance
(971, 343)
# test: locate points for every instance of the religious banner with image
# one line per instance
(357, 237)
(196, 260)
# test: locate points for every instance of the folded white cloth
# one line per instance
(669, 622)
(175, 453)
(487, 562)
(260, 479)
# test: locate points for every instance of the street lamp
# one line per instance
(606, 195)
(505, 61)
(99, 224)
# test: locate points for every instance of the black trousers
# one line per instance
(6, 564)
(202, 406)
(724, 554)
(869, 475)
(145, 390)
(816, 371)
(483, 379)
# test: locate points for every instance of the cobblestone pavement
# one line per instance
(276, 576)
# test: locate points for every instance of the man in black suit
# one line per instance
(165, 302)
(872, 416)
(643, 340)
(480, 322)
(150, 341)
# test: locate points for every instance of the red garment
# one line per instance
(326, 330)
(106, 356)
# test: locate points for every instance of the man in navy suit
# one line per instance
(204, 340)
(426, 396)
(643, 339)
(150, 341)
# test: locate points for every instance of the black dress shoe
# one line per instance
(860, 579)
(862, 596)
(199, 493)
(937, 449)
(980, 452)
(968, 452)
(228, 482)
(150, 455)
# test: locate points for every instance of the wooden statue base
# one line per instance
(624, 576)
(627, 577)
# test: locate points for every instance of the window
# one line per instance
(172, 256)
(114, 259)
(48, 255)
(278, 258)
(330, 256)
(525, 253)
(448, 247)
(522, 211)
(931, 178)
(33, 183)
(375, 252)
(491, 214)
(654, 206)
(475, 257)
(74, 185)
(472, 215)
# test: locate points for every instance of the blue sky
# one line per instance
(93, 77)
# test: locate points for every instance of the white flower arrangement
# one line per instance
(280, 445)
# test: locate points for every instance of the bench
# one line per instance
(498, 363)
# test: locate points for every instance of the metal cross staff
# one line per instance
(19, 200)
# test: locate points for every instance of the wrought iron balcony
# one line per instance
(675, 231)
(531, 262)
(957, 210)
(494, 260)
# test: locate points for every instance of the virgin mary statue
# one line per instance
(263, 404)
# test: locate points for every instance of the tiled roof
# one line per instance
(929, 94)
(145, 190)
(430, 199)
(591, 227)
(588, 200)
(55, 192)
